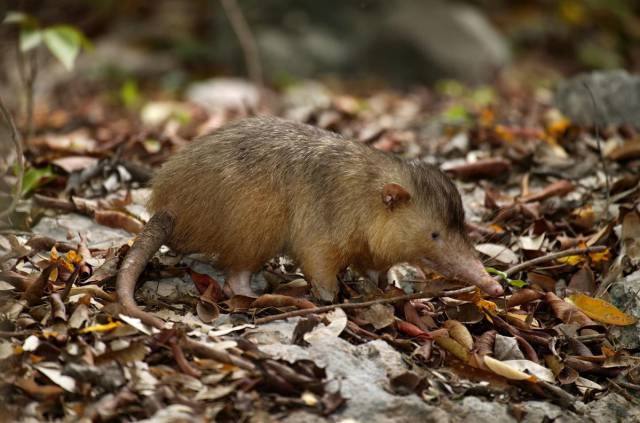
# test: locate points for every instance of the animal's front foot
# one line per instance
(238, 283)
(325, 292)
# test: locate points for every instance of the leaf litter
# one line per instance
(66, 347)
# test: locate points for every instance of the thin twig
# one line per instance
(347, 306)
(602, 160)
(17, 141)
(16, 334)
(549, 257)
(27, 75)
(245, 38)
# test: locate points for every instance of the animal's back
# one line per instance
(261, 186)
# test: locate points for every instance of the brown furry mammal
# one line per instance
(263, 186)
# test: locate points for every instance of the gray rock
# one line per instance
(613, 408)
(360, 372)
(398, 40)
(474, 409)
(220, 94)
(454, 38)
(540, 411)
(64, 225)
(624, 295)
(616, 94)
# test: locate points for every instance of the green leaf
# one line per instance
(456, 113)
(129, 93)
(64, 43)
(494, 271)
(518, 283)
(36, 177)
(18, 18)
(30, 38)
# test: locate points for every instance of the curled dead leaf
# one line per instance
(207, 311)
(524, 296)
(454, 347)
(411, 330)
(378, 315)
(484, 343)
(558, 188)
(118, 220)
(502, 369)
(278, 301)
(460, 333)
(567, 312)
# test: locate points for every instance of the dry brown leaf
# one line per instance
(567, 312)
(484, 343)
(558, 188)
(524, 296)
(583, 280)
(279, 301)
(119, 220)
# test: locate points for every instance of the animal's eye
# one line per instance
(435, 235)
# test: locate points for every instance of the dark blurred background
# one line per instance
(168, 42)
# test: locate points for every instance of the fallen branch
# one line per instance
(348, 306)
(17, 141)
(203, 350)
(550, 257)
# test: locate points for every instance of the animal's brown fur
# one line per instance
(263, 186)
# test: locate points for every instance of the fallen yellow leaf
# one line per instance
(487, 116)
(571, 260)
(558, 126)
(599, 256)
(74, 257)
(101, 328)
(54, 254)
(497, 228)
(504, 133)
(600, 310)
(486, 306)
(53, 276)
(66, 264)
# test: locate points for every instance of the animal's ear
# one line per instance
(394, 195)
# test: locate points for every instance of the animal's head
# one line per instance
(424, 222)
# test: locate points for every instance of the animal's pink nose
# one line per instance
(490, 286)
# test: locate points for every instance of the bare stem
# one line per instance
(27, 73)
(600, 154)
(549, 257)
(347, 306)
(17, 142)
(245, 38)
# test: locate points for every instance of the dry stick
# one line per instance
(514, 269)
(246, 39)
(549, 257)
(28, 78)
(17, 141)
(602, 160)
(349, 306)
